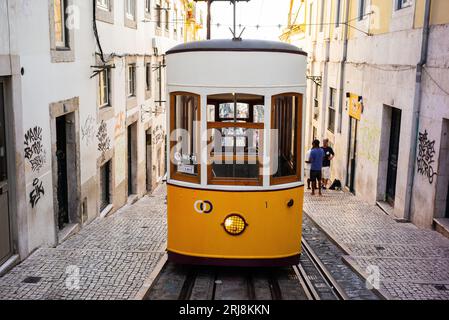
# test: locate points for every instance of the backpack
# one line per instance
(336, 185)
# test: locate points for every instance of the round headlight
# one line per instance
(235, 225)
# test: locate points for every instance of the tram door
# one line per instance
(5, 223)
(352, 153)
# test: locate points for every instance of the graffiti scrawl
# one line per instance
(426, 152)
(37, 192)
(88, 130)
(104, 142)
(34, 149)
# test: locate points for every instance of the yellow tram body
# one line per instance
(235, 173)
(273, 231)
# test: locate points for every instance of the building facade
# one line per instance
(82, 112)
(378, 89)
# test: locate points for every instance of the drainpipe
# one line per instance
(417, 110)
(343, 67)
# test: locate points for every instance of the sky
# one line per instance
(268, 14)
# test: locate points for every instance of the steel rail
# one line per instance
(327, 276)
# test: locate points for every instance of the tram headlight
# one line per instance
(235, 225)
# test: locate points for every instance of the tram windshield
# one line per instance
(235, 130)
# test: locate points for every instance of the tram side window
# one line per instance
(286, 138)
(235, 129)
(185, 126)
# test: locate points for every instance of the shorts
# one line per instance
(315, 175)
(326, 173)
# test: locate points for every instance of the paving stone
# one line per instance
(413, 263)
(113, 257)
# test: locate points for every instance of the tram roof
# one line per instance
(236, 45)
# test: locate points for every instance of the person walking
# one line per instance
(316, 166)
(328, 157)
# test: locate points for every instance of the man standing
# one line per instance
(316, 166)
(328, 157)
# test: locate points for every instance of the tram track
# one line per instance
(310, 280)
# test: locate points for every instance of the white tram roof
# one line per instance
(237, 45)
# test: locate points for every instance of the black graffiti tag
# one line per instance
(37, 192)
(426, 152)
(104, 142)
(34, 149)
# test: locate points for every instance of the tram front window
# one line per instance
(235, 126)
(286, 124)
(185, 126)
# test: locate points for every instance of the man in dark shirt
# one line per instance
(328, 157)
(316, 166)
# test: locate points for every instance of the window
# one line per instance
(185, 134)
(130, 9)
(310, 19)
(60, 17)
(103, 87)
(131, 80)
(286, 122)
(175, 20)
(316, 102)
(331, 110)
(104, 4)
(338, 14)
(147, 6)
(362, 9)
(148, 76)
(167, 16)
(158, 13)
(323, 6)
(235, 130)
(401, 4)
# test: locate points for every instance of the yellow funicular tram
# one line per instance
(235, 186)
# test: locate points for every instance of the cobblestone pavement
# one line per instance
(413, 263)
(113, 255)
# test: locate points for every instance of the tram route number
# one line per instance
(233, 310)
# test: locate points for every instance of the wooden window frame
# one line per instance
(299, 136)
(174, 175)
(217, 124)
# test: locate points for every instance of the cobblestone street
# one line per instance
(413, 263)
(114, 256)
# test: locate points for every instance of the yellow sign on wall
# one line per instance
(355, 106)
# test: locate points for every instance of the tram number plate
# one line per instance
(187, 169)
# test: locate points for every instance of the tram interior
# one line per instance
(235, 123)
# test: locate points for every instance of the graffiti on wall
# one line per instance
(88, 130)
(368, 141)
(426, 153)
(34, 149)
(104, 142)
(36, 193)
(158, 135)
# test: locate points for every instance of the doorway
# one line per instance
(105, 186)
(393, 155)
(149, 158)
(132, 159)
(5, 218)
(352, 154)
(61, 156)
(442, 188)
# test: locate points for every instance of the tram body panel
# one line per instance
(235, 69)
(273, 230)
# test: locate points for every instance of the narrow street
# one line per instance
(115, 256)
